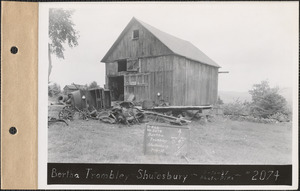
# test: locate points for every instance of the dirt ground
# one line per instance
(222, 141)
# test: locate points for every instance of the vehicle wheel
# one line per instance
(66, 114)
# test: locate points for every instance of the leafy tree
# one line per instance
(54, 89)
(61, 31)
(266, 101)
(86, 87)
(93, 85)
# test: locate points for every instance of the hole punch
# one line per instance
(13, 130)
(14, 50)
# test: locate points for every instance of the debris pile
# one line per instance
(124, 113)
(121, 113)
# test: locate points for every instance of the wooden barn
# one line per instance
(154, 65)
(71, 88)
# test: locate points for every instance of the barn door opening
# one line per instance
(116, 86)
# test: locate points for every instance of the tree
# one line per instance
(61, 31)
(54, 89)
(93, 85)
(266, 101)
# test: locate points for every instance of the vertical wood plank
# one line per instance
(146, 45)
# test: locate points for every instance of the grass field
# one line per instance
(222, 141)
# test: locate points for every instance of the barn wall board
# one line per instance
(194, 83)
(146, 45)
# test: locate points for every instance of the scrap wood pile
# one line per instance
(122, 113)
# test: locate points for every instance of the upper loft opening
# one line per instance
(135, 34)
(122, 65)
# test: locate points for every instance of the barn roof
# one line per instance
(176, 45)
(71, 87)
(74, 87)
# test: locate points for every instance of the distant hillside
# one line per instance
(231, 96)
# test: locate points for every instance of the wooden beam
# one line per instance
(181, 107)
(173, 119)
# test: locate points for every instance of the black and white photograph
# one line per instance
(185, 83)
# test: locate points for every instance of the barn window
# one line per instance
(122, 65)
(133, 65)
(135, 34)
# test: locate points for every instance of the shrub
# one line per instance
(54, 89)
(93, 85)
(280, 117)
(266, 101)
(236, 108)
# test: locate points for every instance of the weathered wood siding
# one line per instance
(180, 81)
(194, 83)
(156, 76)
(140, 90)
(111, 69)
(160, 79)
(146, 45)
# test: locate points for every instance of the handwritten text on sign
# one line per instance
(166, 140)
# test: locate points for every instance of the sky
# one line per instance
(254, 41)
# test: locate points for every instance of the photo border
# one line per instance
(42, 117)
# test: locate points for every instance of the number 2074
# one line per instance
(265, 175)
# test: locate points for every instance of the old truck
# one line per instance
(85, 102)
